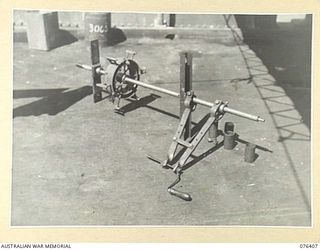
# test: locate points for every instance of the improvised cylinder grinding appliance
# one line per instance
(123, 78)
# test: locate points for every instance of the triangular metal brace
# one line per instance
(192, 142)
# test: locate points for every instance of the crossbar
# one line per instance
(195, 100)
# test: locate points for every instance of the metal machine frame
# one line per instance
(123, 78)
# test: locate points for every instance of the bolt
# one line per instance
(216, 102)
(174, 138)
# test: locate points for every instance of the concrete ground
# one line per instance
(79, 163)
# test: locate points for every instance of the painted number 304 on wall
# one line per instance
(96, 28)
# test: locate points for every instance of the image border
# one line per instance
(150, 233)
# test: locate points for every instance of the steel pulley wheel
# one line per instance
(127, 68)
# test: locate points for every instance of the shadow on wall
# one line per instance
(64, 37)
(114, 36)
(285, 50)
(53, 101)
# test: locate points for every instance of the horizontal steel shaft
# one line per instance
(175, 94)
(242, 114)
(149, 86)
(196, 100)
(99, 70)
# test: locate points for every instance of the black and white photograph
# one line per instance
(161, 119)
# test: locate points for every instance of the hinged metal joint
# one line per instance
(188, 101)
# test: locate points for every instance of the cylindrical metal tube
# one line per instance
(242, 114)
(149, 86)
(101, 71)
(228, 126)
(202, 102)
(249, 153)
(228, 142)
(84, 66)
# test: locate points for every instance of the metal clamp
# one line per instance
(188, 101)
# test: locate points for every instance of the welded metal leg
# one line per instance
(185, 86)
(97, 94)
(116, 102)
(213, 133)
(135, 97)
(176, 138)
(193, 145)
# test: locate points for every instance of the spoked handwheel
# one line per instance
(127, 68)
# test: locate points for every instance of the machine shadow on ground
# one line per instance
(53, 101)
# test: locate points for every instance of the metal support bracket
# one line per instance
(96, 80)
(178, 134)
(215, 115)
(185, 86)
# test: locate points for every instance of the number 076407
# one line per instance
(309, 246)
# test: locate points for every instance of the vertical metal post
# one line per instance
(96, 78)
(185, 86)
